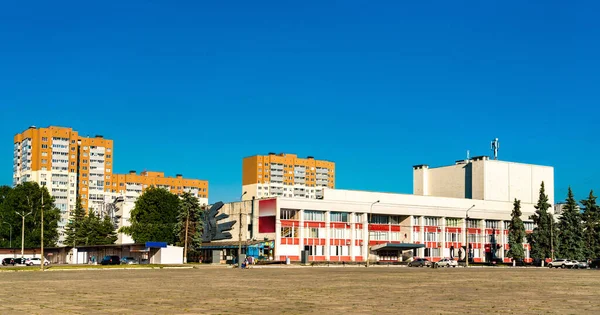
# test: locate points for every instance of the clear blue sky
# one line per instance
(376, 86)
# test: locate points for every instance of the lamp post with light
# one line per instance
(369, 233)
(467, 252)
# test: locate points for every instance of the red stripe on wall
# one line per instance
(379, 227)
(395, 228)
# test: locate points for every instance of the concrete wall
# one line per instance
(485, 179)
(505, 181)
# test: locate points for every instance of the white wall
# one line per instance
(171, 255)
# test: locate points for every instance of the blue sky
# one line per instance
(376, 86)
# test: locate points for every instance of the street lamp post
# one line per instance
(369, 233)
(10, 234)
(23, 215)
(240, 232)
(42, 233)
(467, 252)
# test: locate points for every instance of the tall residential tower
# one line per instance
(286, 175)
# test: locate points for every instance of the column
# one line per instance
(365, 246)
(443, 238)
(352, 235)
(327, 235)
(277, 240)
(422, 235)
(301, 232)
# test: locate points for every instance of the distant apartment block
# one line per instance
(132, 185)
(286, 175)
(71, 166)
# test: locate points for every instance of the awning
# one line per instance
(393, 246)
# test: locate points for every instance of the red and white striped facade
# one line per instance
(333, 228)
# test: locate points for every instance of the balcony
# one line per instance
(276, 167)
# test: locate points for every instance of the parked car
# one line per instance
(595, 263)
(579, 264)
(561, 263)
(7, 261)
(447, 262)
(19, 261)
(129, 261)
(36, 262)
(420, 262)
(110, 260)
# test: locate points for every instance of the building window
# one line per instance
(85, 148)
(453, 222)
(492, 224)
(311, 215)
(431, 221)
(528, 226)
(431, 237)
(44, 161)
(380, 219)
(44, 153)
(288, 214)
(416, 221)
(44, 146)
(358, 217)
(473, 224)
(312, 232)
(338, 216)
(287, 232)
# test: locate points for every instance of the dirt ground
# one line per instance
(289, 290)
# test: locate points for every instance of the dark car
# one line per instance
(8, 261)
(110, 260)
(19, 261)
(420, 262)
(595, 263)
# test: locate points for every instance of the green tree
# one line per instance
(106, 233)
(75, 230)
(189, 224)
(591, 226)
(154, 217)
(27, 198)
(571, 230)
(516, 233)
(544, 235)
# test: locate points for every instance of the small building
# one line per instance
(144, 253)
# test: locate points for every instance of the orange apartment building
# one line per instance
(286, 175)
(72, 166)
(131, 185)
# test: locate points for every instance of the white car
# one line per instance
(562, 263)
(447, 262)
(36, 262)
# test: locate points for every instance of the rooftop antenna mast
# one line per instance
(468, 156)
(495, 147)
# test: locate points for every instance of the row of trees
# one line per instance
(27, 200)
(576, 235)
(89, 229)
(161, 216)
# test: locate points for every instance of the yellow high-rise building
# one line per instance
(286, 175)
(72, 166)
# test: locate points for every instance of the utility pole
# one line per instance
(42, 235)
(369, 233)
(240, 234)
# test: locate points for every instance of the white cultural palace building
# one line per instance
(473, 196)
